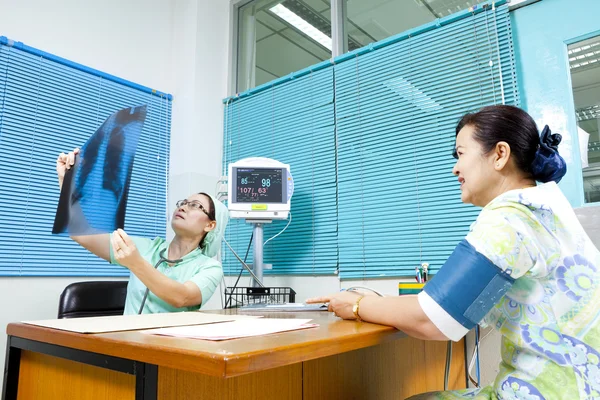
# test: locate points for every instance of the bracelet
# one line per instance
(355, 308)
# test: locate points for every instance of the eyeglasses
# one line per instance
(193, 205)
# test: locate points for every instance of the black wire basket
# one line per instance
(243, 296)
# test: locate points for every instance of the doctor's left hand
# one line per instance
(124, 249)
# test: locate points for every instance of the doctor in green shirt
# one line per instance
(198, 222)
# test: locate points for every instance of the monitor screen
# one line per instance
(258, 185)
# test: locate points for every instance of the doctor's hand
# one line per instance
(340, 303)
(63, 163)
(124, 250)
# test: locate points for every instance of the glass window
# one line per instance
(374, 20)
(276, 38)
(584, 62)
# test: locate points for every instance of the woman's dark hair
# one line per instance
(211, 215)
(508, 124)
(535, 154)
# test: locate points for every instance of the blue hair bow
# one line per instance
(548, 165)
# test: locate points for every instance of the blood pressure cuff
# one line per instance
(464, 290)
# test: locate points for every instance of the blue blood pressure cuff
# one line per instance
(464, 290)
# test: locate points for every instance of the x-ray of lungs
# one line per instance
(94, 192)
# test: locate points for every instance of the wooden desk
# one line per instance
(338, 360)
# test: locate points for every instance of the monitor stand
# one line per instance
(257, 250)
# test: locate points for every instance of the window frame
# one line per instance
(338, 37)
(571, 99)
(338, 33)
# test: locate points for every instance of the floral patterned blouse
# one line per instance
(549, 319)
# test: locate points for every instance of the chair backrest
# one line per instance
(92, 299)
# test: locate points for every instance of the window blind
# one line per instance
(49, 105)
(396, 110)
(292, 122)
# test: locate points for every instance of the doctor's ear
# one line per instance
(210, 226)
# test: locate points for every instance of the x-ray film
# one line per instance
(94, 192)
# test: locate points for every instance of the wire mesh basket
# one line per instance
(243, 296)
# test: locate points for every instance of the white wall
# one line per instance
(200, 57)
(175, 46)
(130, 39)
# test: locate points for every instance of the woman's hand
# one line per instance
(125, 251)
(63, 163)
(401, 312)
(340, 303)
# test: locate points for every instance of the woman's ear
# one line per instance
(501, 155)
(210, 226)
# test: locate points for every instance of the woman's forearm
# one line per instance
(96, 244)
(402, 312)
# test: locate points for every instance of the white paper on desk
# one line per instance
(236, 329)
(134, 322)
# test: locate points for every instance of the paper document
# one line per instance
(236, 329)
(133, 322)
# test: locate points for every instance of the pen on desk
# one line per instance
(425, 272)
(417, 275)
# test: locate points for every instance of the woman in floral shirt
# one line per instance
(526, 268)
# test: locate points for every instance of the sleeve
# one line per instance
(498, 250)
(207, 279)
(142, 244)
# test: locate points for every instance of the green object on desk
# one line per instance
(409, 288)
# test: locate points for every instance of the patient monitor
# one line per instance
(259, 189)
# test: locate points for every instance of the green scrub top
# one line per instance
(195, 267)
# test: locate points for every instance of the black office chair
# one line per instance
(92, 299)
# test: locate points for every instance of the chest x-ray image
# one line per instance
(94, 193)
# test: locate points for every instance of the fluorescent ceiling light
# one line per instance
(587, 55)
(299, 23)
(586, 113)
(441, 8)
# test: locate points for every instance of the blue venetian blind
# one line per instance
(49, 105)
(292, 122)
(396, 110)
